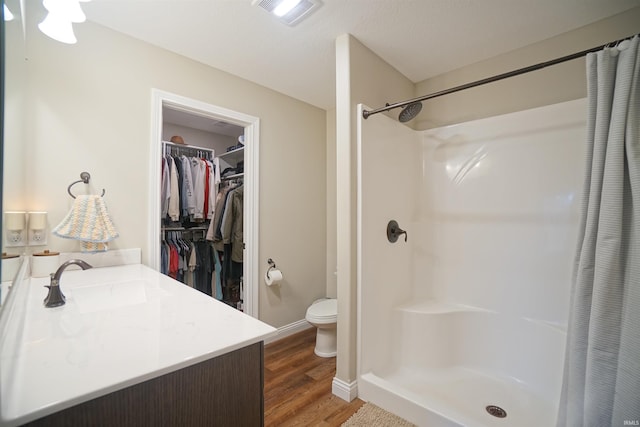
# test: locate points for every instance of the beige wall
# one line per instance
(14, 125)
(89, 109)
(361, 77)
(201, 138)
(551, 85)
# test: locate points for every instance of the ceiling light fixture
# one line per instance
(58, 28)
(285, 7)
(58, 22)
(289, 11)
(69, 9)
(8, 16)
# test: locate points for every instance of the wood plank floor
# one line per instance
(297, 385)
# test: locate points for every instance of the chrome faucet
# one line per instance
(55, 297)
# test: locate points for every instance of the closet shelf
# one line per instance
(235, 175)
(233, 156)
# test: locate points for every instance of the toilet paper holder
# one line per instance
(272, 266)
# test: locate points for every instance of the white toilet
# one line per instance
(323, 314)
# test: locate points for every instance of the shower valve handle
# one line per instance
(401, 231)
(394, 231)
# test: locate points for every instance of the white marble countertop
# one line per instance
(120, 326)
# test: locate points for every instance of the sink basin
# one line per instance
(108, 296)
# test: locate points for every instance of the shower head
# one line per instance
(410, 111)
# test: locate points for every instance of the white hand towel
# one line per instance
(88, 221)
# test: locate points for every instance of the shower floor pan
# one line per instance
(456, 396)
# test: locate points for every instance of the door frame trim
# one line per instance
(251, 234)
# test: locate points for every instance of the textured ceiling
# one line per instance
(420, 38)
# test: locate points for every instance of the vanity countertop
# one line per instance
(120, 326)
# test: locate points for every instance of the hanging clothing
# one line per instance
(188, 197)
(226, 234)
(165, 188)
(178, 162)
(232, 227)
(174, 199)
(214, 232)
(217, 276)
(204, 267)
(191, 265)
(173, 261)
(164, 259)
(188, 187)
(198, 170)
(207, 175)
(213, 190)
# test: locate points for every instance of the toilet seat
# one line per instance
(323, 311)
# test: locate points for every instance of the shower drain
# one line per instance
(496, 411)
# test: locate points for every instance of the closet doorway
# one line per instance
(193, 113)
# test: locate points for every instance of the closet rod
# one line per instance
(184, 229)
(367, 113)
(188, 147)
(182, 149)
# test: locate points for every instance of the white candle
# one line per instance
(37, 220)
(14, 220)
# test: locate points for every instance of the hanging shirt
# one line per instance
(188, 198)
(164, 259)
(178, 163)
(173, 261)
(174, 198)
(198, 170)
(215, 234)
(213, 189)
(165, 189)
(207, 175)
(232, 227)
(191, 265)
(216, 165)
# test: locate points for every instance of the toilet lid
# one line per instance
(324, 309)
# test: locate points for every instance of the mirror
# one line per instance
(13, 66)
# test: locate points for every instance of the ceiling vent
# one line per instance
(289, 11)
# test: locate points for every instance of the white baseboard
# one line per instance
(290, 329)
(344, 390)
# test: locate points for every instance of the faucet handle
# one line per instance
(54, 281)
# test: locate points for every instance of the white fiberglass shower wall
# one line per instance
(470, 312)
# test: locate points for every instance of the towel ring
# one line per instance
(84, 177)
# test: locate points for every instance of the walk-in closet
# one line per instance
(202, 204)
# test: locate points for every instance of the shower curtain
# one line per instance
(601, 385)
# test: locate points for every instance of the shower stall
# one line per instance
(464, 323)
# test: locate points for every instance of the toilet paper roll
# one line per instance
(272, 277)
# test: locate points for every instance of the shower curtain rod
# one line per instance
(367, 113)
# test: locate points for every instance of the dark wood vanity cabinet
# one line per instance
(224, 391)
